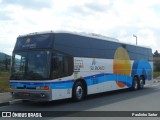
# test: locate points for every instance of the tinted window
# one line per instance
(62, 65)
(32, 65)
(70, 40)
(80, 46)
(34, 42)
(97, 44)
(97, 53)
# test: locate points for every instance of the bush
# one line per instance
(156, 74)
(4, 82)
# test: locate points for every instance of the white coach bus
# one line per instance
(58, 65)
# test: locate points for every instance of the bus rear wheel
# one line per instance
(135, 83)
(141, 83)
(78, 91)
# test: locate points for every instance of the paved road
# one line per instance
(147, 99)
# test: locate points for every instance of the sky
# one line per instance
(119, 19)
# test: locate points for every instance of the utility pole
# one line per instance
(135, 37)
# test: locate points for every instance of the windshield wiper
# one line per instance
(32, 75)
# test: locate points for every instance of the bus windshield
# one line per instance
(32, 65)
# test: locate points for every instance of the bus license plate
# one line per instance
(26, 94)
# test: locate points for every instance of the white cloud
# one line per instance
(28, 4)
(149, 37)
(115, 18)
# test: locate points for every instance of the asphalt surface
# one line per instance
(147, 99)
(6, 99)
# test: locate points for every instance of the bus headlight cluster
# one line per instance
(42, 88)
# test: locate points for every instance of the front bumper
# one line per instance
(32, 95)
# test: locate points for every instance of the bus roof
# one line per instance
(91, 35)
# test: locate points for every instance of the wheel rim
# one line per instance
(141, 83)
(135, 85)
(79, 92)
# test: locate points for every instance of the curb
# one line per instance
(10, 102)
(4, 104)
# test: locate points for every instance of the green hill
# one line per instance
(2, 56)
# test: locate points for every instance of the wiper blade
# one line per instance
(32, 75)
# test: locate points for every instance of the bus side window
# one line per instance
(58, 66)
(62, 66)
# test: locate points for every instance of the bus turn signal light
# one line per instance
(46, 87)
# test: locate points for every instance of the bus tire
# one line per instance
(135, 83)
(141, 83)
(78, 91)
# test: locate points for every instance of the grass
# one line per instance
(4, 82)
(156, 74)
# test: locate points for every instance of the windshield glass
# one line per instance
(33, 65)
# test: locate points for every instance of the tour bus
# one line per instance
(57, 65)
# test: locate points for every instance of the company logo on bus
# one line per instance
(28, 40)
(95, 66)
(94, 61)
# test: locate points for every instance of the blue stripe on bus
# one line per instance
(90, 80)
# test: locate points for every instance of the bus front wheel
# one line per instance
(78, 91)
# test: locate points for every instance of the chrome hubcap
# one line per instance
(79, 92)
(141, 83)
(135, 85)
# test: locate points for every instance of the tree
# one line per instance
(156, 54)
(156, 61)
